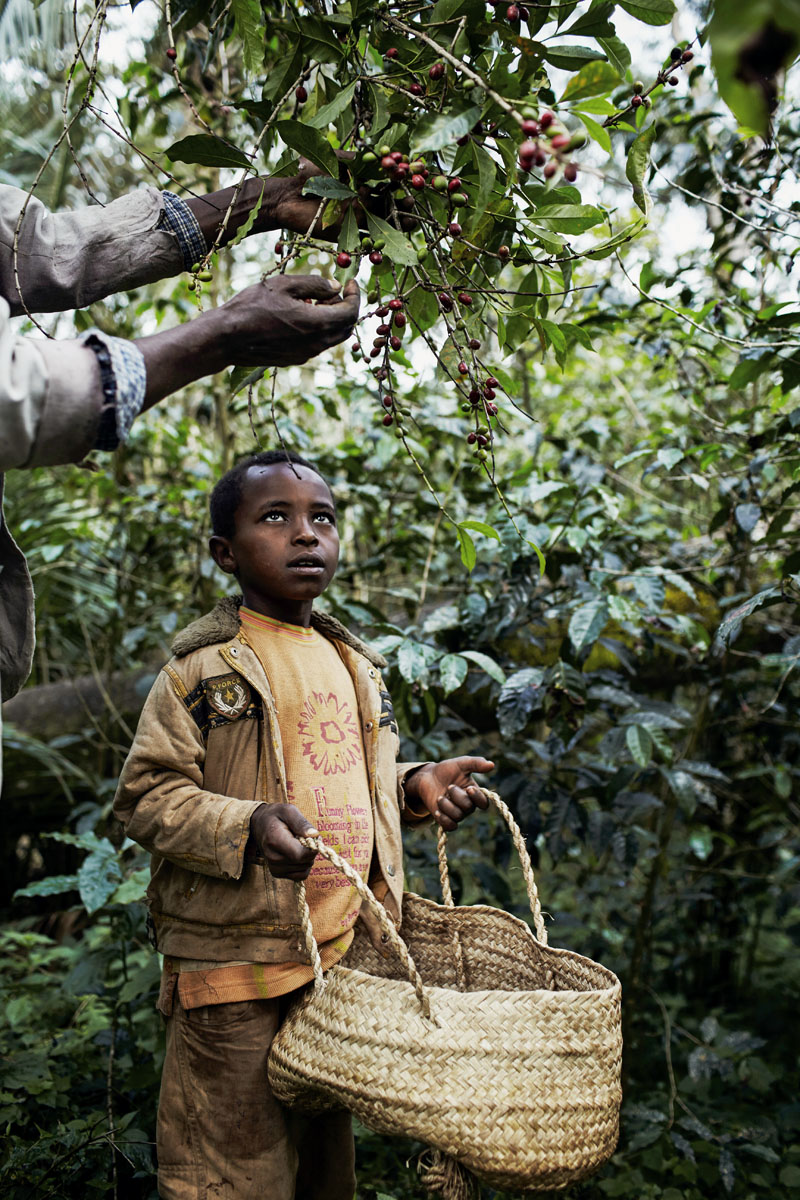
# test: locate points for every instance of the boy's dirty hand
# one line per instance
(447, 790)
(274, 829)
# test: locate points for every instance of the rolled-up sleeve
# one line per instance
(70, 259)
(53, 396)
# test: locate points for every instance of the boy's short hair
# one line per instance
(227, 494)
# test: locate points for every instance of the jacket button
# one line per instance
(372, 672)
(368, 726)
(384, 937)
(390, 869)
(234, 652)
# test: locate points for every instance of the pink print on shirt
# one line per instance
(329, 734)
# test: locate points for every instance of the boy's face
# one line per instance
(286, 545)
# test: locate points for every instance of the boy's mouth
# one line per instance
(310, 564)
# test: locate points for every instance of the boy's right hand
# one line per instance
(274, 829)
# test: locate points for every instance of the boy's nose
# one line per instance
(306, 533)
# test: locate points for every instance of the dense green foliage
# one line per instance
(639, 694)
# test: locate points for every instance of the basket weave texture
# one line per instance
(472, 1035)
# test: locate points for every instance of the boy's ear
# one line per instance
(222, 554)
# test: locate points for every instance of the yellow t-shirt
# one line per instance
(327, 780)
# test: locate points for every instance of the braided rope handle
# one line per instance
(524, 858)
(388, 927)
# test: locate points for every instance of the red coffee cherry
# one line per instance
(400, 319)
(301, 95)
(376, 258)
(172, 53)
(571, 172)
(464, 298)
(436, 71)
(396, 304)
(392, 52)
(343, 259)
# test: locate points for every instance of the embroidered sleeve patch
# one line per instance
(220, 700)
(387, 712)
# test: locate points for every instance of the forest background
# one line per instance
(595, 585)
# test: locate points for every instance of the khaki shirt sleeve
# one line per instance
(161, 800)
(70, 259)
(50, 399)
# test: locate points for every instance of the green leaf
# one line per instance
(443, 129)
(651, 12)
(328, 188)
(469, 555)
(481, 527)
(556, 339)
(446, 10)
(731, 627)
(398, 248)
(636, 167)
(99, 876)
(587, 623)
(594, 23)
(571, 58)
(486, 664)
(487, 173)
(203, 150)
(594, 79)
(452, 672)
(349, 234)
(732, 28)
(567, 218)
(244, 377)
(596, 131)
(639, 743)
(413, 660)
(310, 143)
(326, 115)
(249, 23)
(53, 885)
(619, 56)
(650, 590)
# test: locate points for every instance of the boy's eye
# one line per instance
(327, 517)
(273, 516)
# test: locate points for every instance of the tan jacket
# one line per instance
(207, 752)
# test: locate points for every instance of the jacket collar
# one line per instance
(222, 625)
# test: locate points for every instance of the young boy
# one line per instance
(269, 721)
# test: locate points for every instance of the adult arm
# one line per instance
(70, 259)
(51, 393)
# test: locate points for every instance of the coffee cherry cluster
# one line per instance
(678, 58)
(547, 145)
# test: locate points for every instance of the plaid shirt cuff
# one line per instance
(123, 378)
(179, 219)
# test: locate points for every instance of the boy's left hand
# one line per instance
(446, 789)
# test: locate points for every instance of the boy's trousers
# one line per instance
(221, 1133)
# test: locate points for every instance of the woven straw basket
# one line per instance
(472, 1035)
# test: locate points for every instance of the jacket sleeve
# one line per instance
(161, 800)
(50, 399)
(68, 260)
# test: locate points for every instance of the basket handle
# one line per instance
(524, 858)
(388, 927)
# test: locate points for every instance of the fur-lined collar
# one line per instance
(222, 624)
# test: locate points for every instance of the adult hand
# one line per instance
(274, 323)
(447, 790)
(277, 323)
(273, 831)
(298, 212)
